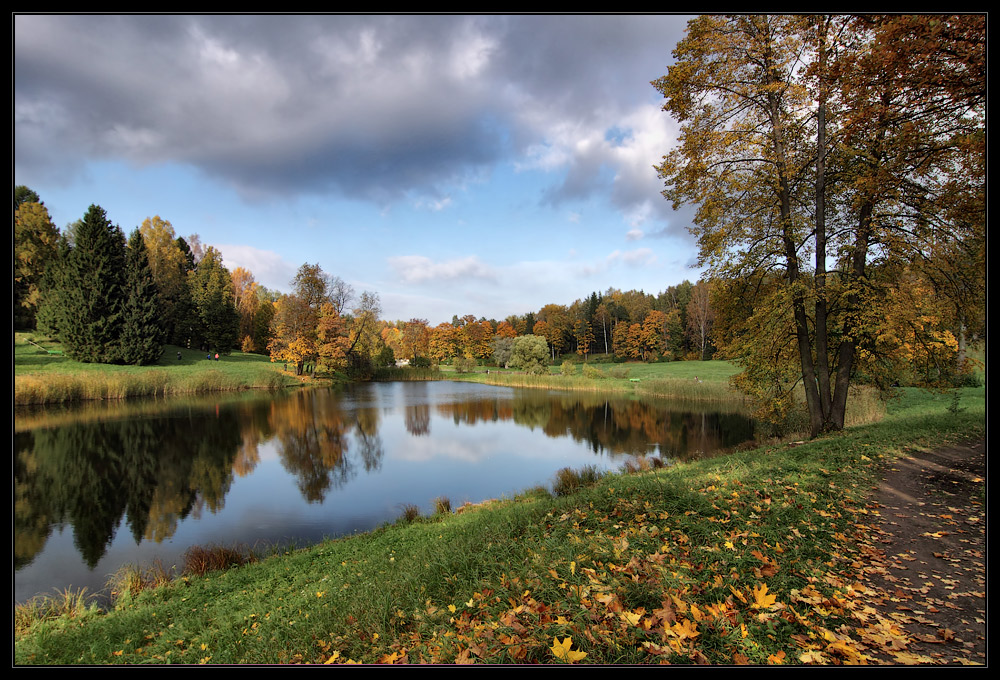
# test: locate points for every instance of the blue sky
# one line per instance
(452, 164)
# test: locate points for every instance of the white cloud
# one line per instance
(420, 269)
(269, 268)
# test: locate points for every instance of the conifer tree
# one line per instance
(212, 292)
(142, 332)
(93, 290)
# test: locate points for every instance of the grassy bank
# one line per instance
(43, 375)
(756, 557)
(682, 380)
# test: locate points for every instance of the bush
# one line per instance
(592, 372)
(464, 364)
(567, 369)
(410, 512)
(420, 362)
(619, 372)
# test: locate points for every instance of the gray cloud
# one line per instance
(367, 107)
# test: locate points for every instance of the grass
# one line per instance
(703, 381)
(43, 375)
(717, 561)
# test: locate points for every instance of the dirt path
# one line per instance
(932, 540)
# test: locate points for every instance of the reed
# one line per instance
(130, 580)
(61, 388)
(393, 374)
(68, 603)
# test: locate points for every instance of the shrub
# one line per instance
(619, 372)
(442, 505)
(567, 369)
(410, 512)
(592, 372)
(464, 364)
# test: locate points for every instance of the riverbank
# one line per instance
(756, 557)
(43, 375)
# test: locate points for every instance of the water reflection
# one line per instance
(155, 467)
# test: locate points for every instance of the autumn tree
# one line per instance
(331, 338)
(700, 316)
(246, 301)
(35, 248)
(296, 322)
(584, 338)
(443, 343)
(170, 264)
(839, 139)
(415, 339)
(293, 332)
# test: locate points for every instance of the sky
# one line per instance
(484, 165)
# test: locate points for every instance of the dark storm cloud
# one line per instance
(371, 107)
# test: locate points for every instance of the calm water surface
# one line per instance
(102, 486)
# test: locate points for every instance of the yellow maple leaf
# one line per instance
(685, 628)
(562, 650)
(761, 599)
(631, 618)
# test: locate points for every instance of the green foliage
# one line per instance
(92, 292)
(212, 293)
(464, 364)
(567, 368)
(385, 358)
(142, 333)
(530, 354)
(22, 195)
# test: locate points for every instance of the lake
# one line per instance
(98, 486)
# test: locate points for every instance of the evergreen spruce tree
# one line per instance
(142, 333)
(51, 316)
(212, 292)
(93, 290)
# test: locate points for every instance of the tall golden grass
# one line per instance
(59, 388)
